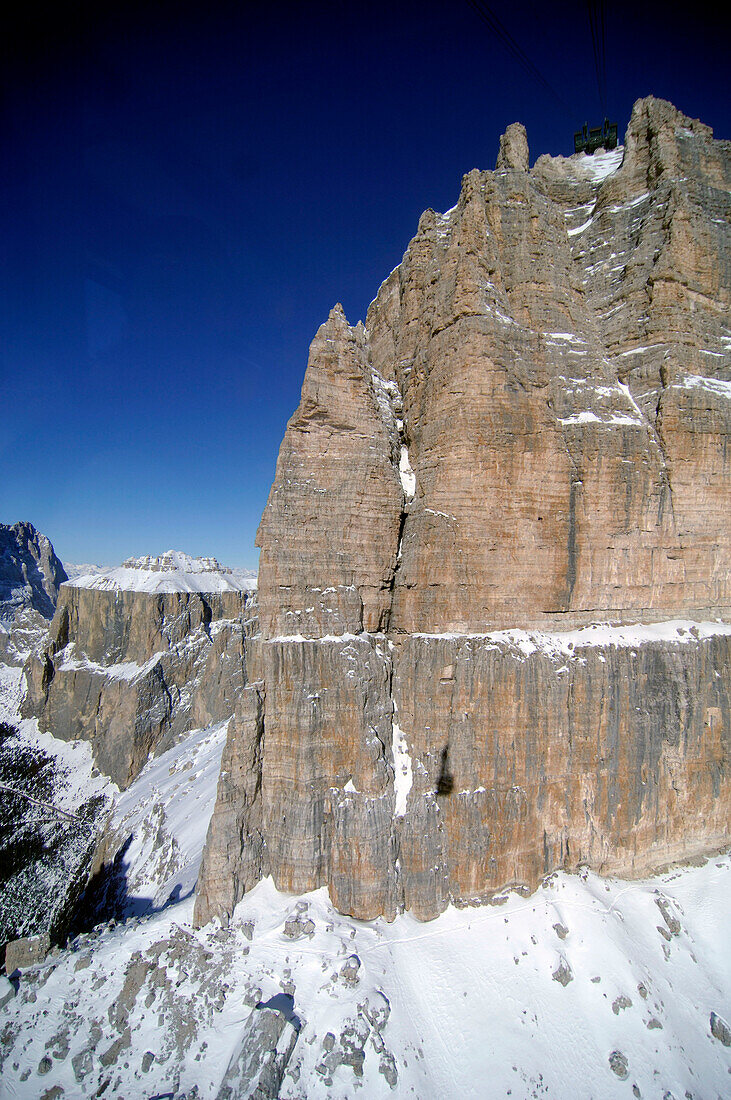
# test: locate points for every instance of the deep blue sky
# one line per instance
(187, 190)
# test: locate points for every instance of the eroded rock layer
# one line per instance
(530, 431)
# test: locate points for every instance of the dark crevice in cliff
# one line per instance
(207, 617)
(657, 435)
(391, 409)
(445, 782)
(572, 550)
(397, 564)
(571, 542)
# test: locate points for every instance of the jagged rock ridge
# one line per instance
(530, 431)
(30, 578)
(30, 572)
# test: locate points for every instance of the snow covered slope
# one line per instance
(170, 572)
(76, 569)
(587, 988)
(159, 823)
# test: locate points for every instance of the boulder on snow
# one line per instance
(26, 951)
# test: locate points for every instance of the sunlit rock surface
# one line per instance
(139, 654)
(529, 434)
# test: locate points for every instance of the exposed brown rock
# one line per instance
(321, 570)
(233, 860)
(614, 757)
(131, 670)
(530, 431)
(513, 152)
(525, 753)
(27, 951)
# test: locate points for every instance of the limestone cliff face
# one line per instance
(137, 656)
(530, 431)
(337, 483)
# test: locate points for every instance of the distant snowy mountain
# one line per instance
(173, 571)
(30, 577)
(83, 569)
(30, 572)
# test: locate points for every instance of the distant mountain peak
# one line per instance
(30, 572)
(173, 571)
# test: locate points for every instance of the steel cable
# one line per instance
(491, 20)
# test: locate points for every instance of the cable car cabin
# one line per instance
(598, 137)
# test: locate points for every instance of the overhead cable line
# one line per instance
(488, 16)
(44, 805)
(598, 25)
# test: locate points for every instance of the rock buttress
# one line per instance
(329, 533)
(130, 671)
(530, 432)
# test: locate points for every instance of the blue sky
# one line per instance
(189, 188)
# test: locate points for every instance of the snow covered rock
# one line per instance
(30, 578)
(53, 815)
(463, 1008)
(26, 951)
(30, 572)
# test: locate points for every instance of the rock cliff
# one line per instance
(30, 572)
(529, 434)
(138, 655)
(30, 578)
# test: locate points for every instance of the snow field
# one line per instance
(166, 812)
(534, 996)
(473, 1007)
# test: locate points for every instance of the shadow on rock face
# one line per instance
(284, 1003)
(46, 852)
(445, 783)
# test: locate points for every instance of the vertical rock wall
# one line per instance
(130, 670)
(329, 533)
(531, 431)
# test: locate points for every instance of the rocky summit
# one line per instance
(30, 572)
(495, 556)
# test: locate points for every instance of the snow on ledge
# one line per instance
(407, 475)
(170, 572)
(403, 776)
(719, 386)
(565, 643)
(600, 165)
(122, 670)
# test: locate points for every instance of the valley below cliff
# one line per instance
(588, 986)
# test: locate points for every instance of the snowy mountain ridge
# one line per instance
(172, 571)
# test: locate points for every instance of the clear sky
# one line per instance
(187, 190)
